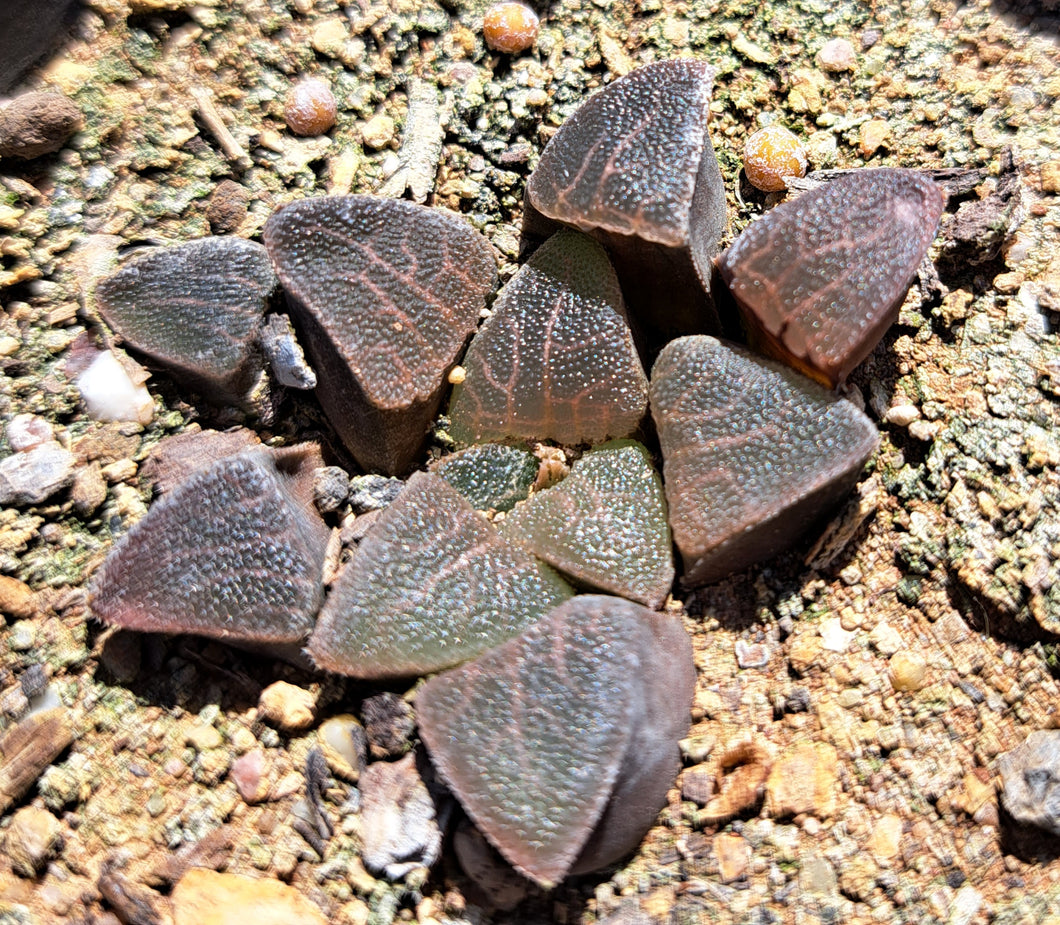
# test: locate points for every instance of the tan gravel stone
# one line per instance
(886, 838)
(206, 897)
(734, 856)
(33, 837)
(287, 706)
(804, 779)
(17, 599)
(908, 671)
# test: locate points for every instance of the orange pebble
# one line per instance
(510, 27)
(771, 154)
(310, 107)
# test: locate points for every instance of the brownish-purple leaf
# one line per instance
(754, 453)
(431, 585)
(820, 279)
(562, 743)
(197, 310)
(555, 360)
(385, 294)
(634, 167)
(236, 552)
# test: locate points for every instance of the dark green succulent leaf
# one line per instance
(820, 279)
(555, 360)
(604, 525)
(431, 585)
(754, 453)
(562, 742)
(634, 167)
(491, 476)
(235, 552)
(385, 294)
(197, 310)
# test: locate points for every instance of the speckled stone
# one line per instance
(804, 779)
(33, 838)
(206, 897)
(287, 706)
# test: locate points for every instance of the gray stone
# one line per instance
(1030, 780)
(36, 475)
(398, 828)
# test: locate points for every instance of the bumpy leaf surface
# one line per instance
(431, 585)
(236, 552)
(821, 278)
(556, 359)
(492, 476)
(634, 166)
(385, 294)
(195, 309)
(562, 743)
(604, 525)
(754, 453)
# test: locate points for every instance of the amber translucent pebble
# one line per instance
(235, 552)
(562, 743)
(754, 453)
(431, 585)
(385, 294)
(555, 360)
(820, 279)
(634, 167)
(195, 309)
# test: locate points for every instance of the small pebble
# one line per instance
(770, 155)
(331, 485)
(33, 838)
(248, 774)
(287, 706)
(908, 671)
(345, 746)
(228, 207)
(37, 123)
(373, 492)
(25, 431)
(36, 475)
(510, 27)
(110, 394)
(872, 136)
(837, 56)
(378, 131)
(17, 599)
(902, 415)
(388, 723)
(310, 107)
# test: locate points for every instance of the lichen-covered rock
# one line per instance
(431, 585)
(754, 453)
(604, 525)
(555, 360)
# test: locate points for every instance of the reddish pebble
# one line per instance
(770, 155)
(510, 27)
(310, 107)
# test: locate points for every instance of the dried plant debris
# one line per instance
(818, 280)
(634, 167)
(431, 585)
(385, 294)
(235, 552)
(562, 743)
(754, 454)
(555, 360)
(604, 525)
(197, 310)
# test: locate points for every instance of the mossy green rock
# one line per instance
(604, 525)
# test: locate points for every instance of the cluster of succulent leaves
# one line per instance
(555, 715)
